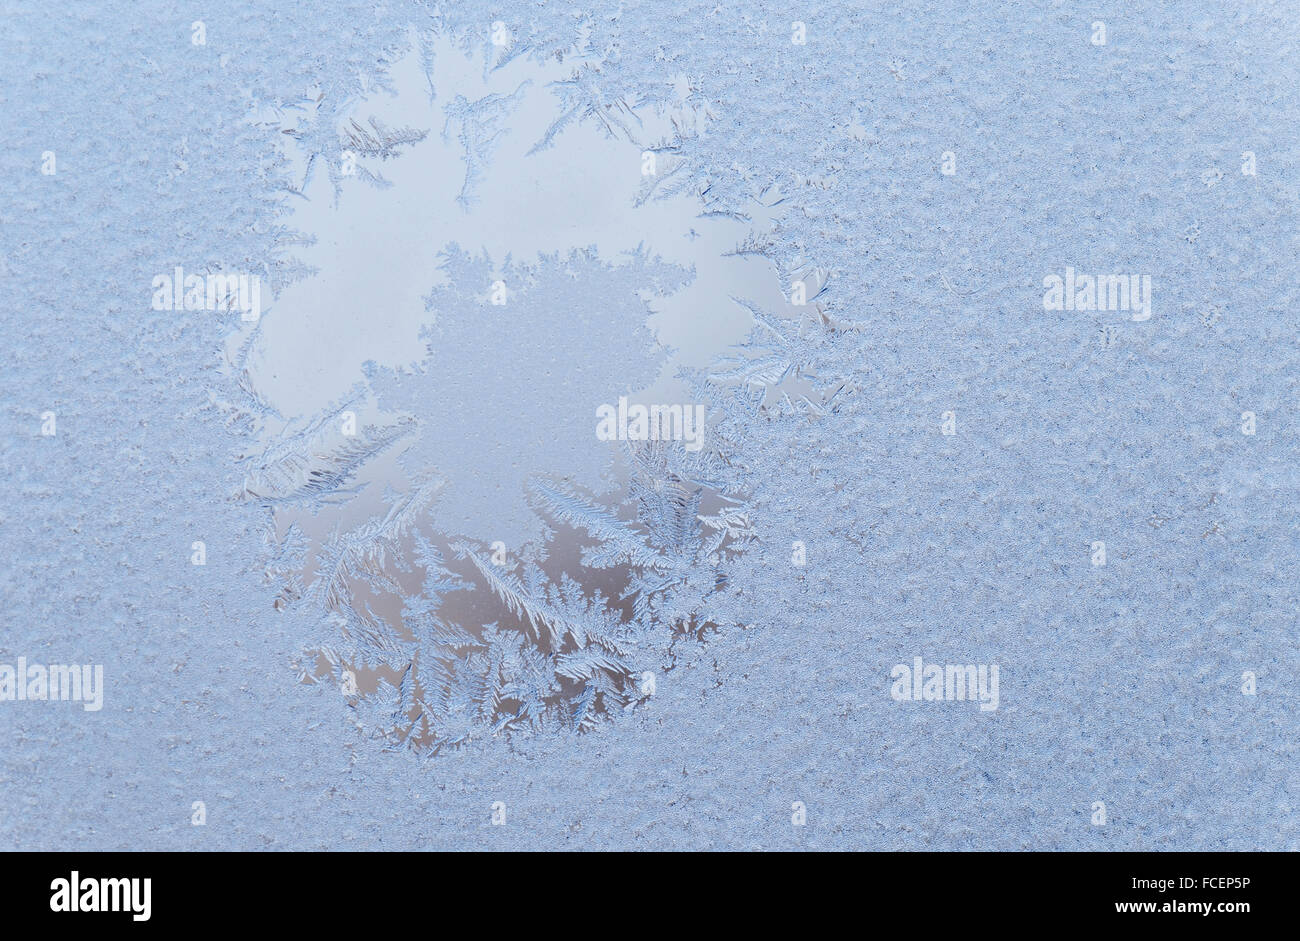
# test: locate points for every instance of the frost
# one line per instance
(479, 123)
(468, 575)
(378, 140)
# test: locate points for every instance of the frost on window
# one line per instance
(480, 557)
(334, 334)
